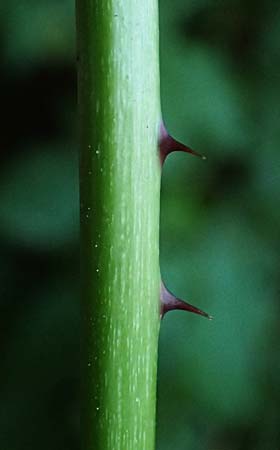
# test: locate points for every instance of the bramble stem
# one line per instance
(119, 113)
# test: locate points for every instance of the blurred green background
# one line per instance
(220, 221)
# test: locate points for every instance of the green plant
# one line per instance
(123, 145)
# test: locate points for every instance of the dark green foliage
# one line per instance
(218, 382)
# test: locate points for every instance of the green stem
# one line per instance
(119, 110)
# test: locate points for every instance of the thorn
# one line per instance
(168, 144)
(169, 302)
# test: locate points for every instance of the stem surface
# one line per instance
(119, 113)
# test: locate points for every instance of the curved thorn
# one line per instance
(167, 145)
(169, 302)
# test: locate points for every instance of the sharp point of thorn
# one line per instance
(209, 317)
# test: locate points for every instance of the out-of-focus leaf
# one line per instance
(39, 198)
(38, 30)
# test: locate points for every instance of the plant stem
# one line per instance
(119, 113)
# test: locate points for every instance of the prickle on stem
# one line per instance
(169, 302)
(167, 144)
